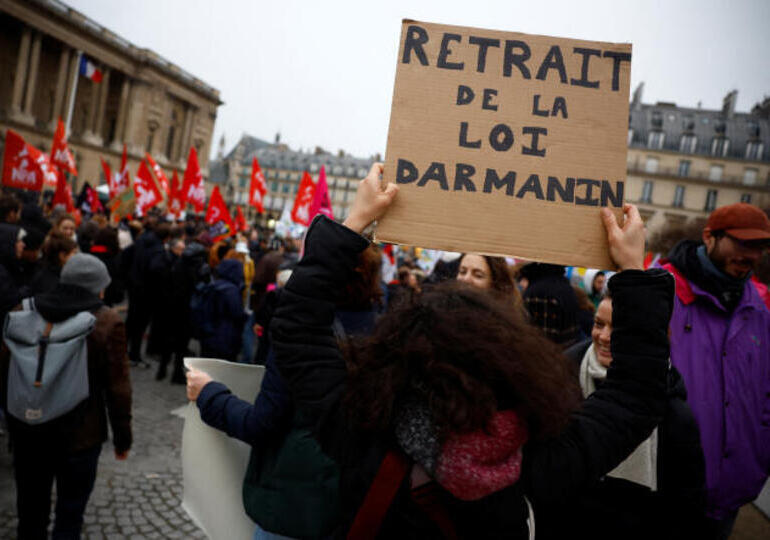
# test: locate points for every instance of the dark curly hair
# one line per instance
(465, 352)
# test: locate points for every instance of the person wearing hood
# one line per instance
(227, 312)
(12, 289)
(719, 342)
(67, 449)
(57, 249)
(662, 481)
(551, 302)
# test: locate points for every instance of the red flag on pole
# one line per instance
(258, 187)
(218, 217)
(119, 181)
(60, 151)
(145, 190)
(175, 204)
(93, 200)
(24, 166)
(62, 197)
(300, 213)
(321, 203)
(193, 190)
(162, 179)
(240, 221)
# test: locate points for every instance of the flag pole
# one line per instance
(71, 104)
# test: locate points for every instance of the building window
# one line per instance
(750, 177)
(651, 166)
(754, 150)
(647, 192)
(655, 139)
(746, 198)
(711, 200)
(285, 188)
(715, 173)
(242, 182)
(678, 197)
(684, 168)
(274, 186)
(720, 146)
(688, 143)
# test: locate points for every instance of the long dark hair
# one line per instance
(466, 353)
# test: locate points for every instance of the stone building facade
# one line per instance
(684, 162)
(283, 169)
(143, 100)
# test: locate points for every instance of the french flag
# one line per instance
(89, 69)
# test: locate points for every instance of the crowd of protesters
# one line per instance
(476, 397)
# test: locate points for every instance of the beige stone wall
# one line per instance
(730, 188)
(143, 101)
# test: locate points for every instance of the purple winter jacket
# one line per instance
(725, 361)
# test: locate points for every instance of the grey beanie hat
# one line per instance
(85, 271)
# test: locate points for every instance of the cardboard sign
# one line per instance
(506, 144)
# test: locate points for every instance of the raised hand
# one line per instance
(627, 242)
(371, 200)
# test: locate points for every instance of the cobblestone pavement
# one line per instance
(137, 498)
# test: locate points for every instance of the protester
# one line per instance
(65, 224)
(10, 209)
(596, 292)
(12, 289)
(489, 273)
(659, 490)
(457, 371)
(67, 449)
(57, 249)
(105, 247)
(165, 324)
(551, 302)
(719, 342)
(227, 314)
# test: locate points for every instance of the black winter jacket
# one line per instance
(608, 427)
(617, 508)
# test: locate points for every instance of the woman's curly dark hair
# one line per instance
(467, 354)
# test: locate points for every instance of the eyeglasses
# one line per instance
(762, 245)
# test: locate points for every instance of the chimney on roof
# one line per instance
(278, 137)
(221, 149)
(340, 153)
(762, 109)
(728, 103)
(636, 102)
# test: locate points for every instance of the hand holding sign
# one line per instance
(627, 243)
(371, 200)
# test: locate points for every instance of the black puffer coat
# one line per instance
(12, 289)
(602, 434)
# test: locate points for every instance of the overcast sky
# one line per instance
(321, 73)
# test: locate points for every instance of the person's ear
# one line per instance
(708, 239)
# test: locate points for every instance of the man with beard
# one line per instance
(719, 342)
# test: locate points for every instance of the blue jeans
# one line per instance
(35, 470)
(262, 534)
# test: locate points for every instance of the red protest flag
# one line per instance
(119, 181)
(218, 217)
(62, 197)
(300, 213)
(60, 151)
(93, 200)
(145, 190)
(240, 221)
(193, 190)
(24, 166)
(162, 179)
(321, 203)
(175, 204)
(258, 187)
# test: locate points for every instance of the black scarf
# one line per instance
(701, 271)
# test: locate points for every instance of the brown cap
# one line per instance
(740, 220)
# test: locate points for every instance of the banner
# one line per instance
(506, 144)
(175, 203)
(321, 203)
(258, 187)
(145, 190)
(193, 190)
(218, 217)
(213, 464)
(62, 197)
(60, 151)
(24, 166)
(300, 213)
(159, 176)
